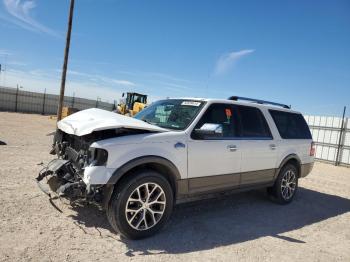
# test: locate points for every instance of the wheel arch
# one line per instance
(160, 164)
(290, 159)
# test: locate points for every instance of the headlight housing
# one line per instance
(97, 156)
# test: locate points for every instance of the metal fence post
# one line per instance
(340, 146)
(44, 97)
(16, 98)
(97, 100)
(73, 98)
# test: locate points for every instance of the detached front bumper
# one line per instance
(61, 179)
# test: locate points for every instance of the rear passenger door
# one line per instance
(259, 152)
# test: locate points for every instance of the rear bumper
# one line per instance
(306, 169)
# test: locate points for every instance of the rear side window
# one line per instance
(291, 125)
(253, 123)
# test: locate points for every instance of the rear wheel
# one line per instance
(141, 205)
(286, 185)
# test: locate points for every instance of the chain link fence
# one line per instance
(17, 100)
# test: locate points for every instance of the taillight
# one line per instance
(312, 149)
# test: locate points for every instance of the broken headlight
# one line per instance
(97, 156)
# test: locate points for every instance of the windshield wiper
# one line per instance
(156, 124)
(148, 122)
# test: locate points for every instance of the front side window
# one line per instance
(253, 123)
(174, 114)
(291, 125)
(223, 114)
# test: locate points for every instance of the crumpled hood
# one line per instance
(90, 120)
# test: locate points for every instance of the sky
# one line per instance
(293, 52)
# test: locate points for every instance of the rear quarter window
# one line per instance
(291, 125)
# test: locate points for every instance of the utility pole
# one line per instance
(3, 69)
(64, 70)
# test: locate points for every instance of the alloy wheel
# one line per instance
(145, 206)
(288, 185)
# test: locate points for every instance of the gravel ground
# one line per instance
(245, 226)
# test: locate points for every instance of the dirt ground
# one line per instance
(244, 227)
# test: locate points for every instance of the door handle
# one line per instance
(273, 146)
(232, 148)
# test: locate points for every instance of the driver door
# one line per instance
(214, 162)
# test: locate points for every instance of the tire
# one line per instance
(286, 185)
(152, 209)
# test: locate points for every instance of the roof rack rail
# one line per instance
(258, 101)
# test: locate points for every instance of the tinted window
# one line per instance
(291, 125)
(253, 123)
(223, 114)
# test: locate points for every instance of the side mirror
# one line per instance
(123, 95)
(209, 130)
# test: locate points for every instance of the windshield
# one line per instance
(172, 113)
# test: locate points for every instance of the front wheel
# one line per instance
(286, 185)
(141, 205)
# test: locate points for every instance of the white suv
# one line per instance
(173, 150)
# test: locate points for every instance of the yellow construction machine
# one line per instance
(132, 104)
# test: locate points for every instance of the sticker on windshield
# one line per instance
(190, 103)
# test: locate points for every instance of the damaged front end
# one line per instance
(79, 168)
(65, 175)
